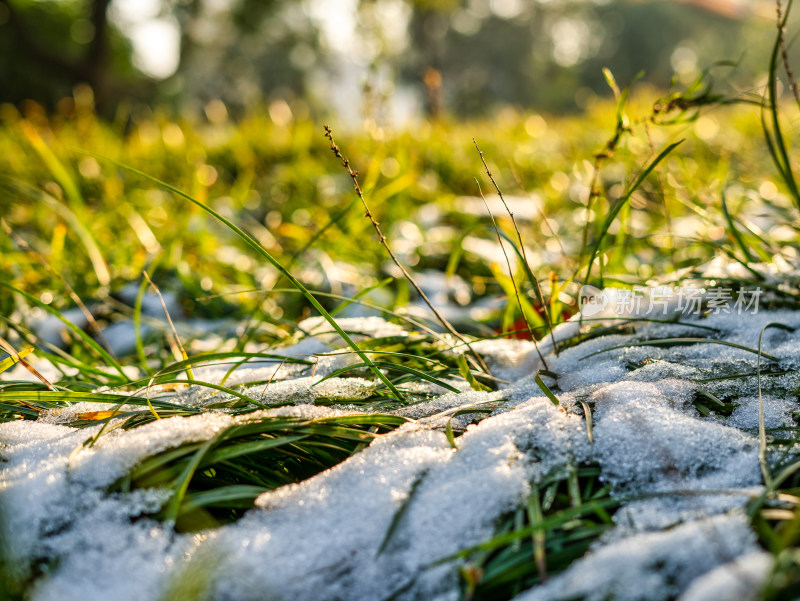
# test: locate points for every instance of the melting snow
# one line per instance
(326, 537)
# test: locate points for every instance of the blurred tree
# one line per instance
(460, 55)
(245, 51)
(47, 47)
(551, 55)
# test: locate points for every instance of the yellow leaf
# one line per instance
(94, 416)
(8, 362)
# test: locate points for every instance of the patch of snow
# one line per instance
(682, 479)
(738, 580)
(653, 566)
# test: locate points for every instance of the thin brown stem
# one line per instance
(354, 176)
(522, 250)
(511, 275)
(171, 325)
(784, 53)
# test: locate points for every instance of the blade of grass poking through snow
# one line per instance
(539, 536)
(612, 215)
(679, 342)
(587, 414)
(511, 272)
(520, 251)
(775, 141)
(448, 432)
(354, 176)
(762, 432)
(401, 511)
(465, 372)
(88, 341)
(274, 262)
(174, 506)
(545, 389)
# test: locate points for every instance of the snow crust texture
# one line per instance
(377, 525)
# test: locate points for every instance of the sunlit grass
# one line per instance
(254, 223)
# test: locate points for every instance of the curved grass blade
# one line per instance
(545, 388)
(274, 262)
(775, 140)
(587, 413)
(238, 495)
(463, 369)
(71, 397)
(401, 511)
(137, 326)
(173, 507)
(226, 390)
(88, 340)
(734, 232)
(621, 202)
(393, 367)
(203, 360)
(392, 354)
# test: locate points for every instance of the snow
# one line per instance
(683, 479)
(653, 566)
(738, 580)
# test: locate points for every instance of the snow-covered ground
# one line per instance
(685, 534)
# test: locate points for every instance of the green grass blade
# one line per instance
(274, 262)
(621, 202)
(88, 340)
(401, 511)
(393, 367)
(137, 326)
(734, 231)
(466, 373)
(174, 506)
(70, 397)
(545, 388)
